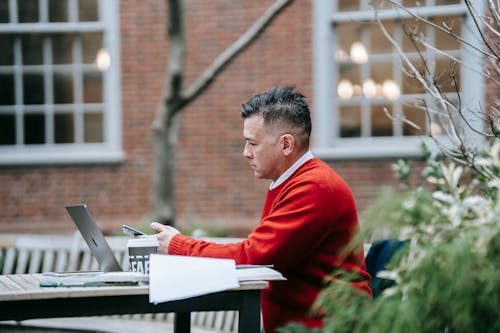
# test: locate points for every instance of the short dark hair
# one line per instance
(284, 107)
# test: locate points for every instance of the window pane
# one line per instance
(7, 89)
(410, 84)
(4, 11)
(92, 88)
(87, 10)
(381, 4)
(350, 72)
(32, 49)
(62, 49)
(7, 129)
(443, 40)
(27, 10)
(347, 34)
(350, 121)
(93, 127)
(91, 44)
(446, 73)
(33, 89)
(413, 3)
(34, 128)
(63, 88)
(7, 47)
(447, 2)
(64, 130)
(415, 116)
(381, 72)
(58, 10)
(381, 123)
(418, 29)
(348, 5)
(379, 42)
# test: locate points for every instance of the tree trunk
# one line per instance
(166, 124)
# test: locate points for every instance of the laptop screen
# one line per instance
(94, 238)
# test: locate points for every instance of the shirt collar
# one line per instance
(285, 175)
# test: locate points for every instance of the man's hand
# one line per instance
(164, 235)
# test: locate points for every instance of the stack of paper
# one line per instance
(257, 273)
(179, 277)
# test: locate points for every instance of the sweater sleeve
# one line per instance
(296, 225)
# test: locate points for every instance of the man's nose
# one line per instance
(246, 152)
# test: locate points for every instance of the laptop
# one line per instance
(94, 238)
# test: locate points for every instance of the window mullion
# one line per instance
(73, 10)
(49, 90)
(78, 89)
(18, 82)
(430, 59)
(394, 14)
(43, 9)
(397, 76)
(13, 11)
(365, 72)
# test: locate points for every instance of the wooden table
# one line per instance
(22, 298)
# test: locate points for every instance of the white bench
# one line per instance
(32, 253)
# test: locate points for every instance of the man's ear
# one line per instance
(288, 142)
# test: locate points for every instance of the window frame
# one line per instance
(327, 142)
(110, 150)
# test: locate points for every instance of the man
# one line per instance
(308, 220)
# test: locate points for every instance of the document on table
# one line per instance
(92, 279)
(257, 272)
(179, 277)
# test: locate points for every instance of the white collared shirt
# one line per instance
(285, 175)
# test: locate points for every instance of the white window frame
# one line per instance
(327, 143)
(110, 150)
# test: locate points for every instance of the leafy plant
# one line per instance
(448, 278)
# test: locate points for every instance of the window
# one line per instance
(361, 91)
(59, 82)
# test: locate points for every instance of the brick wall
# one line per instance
(213, 183)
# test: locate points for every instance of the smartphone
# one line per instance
(131, 231)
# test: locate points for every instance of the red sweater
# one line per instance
(306, 223)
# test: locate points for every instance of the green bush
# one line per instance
(447, 279)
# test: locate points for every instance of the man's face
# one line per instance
(263, 148)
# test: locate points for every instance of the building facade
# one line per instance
(80, 81)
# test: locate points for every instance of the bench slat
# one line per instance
(35, 261)
(10, 257)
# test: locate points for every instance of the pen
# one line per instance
(87, 284)
(252, 266)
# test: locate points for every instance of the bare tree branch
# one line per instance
(478, 27)
(448, 107)
(445, 30)
(239, 45)
(495, 13)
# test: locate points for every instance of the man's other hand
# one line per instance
(164, 235)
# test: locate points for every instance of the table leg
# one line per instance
(182, 322)
(249, 314)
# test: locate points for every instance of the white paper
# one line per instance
(256, 273)
(179, 277)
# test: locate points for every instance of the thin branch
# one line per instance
(239, 45)
(478, 27)
(440, 28)
(485, 74)
(494, 10)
